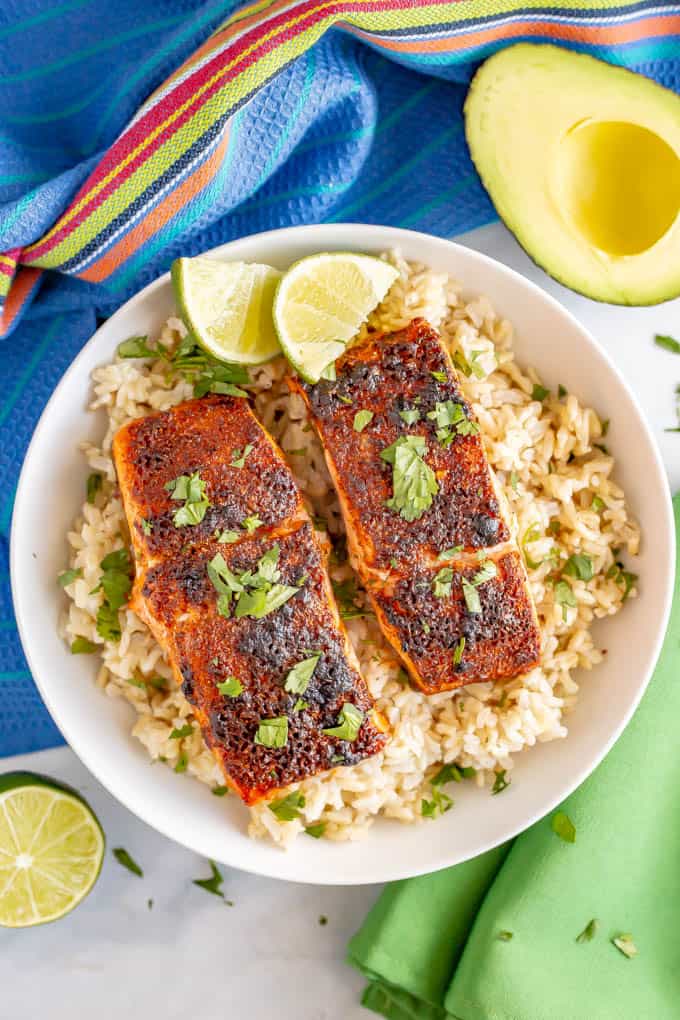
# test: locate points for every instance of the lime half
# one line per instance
(227, 307)
(322, 301)
(51, 850)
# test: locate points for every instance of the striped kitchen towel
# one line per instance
(132, 133)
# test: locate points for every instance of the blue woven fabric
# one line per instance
(342, 134)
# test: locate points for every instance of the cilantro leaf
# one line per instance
(214, 883)
(458, 651)
(579, 566)
(501, 782)
(183, 731)
(137, 347)
(69, 576)
(562, 825)
(231, 687)
(123, 857)
(442, 583)
(81, 646)
(287, 809)
(349, 723)
(588, 932)
(191, 489)
(361, 420)
(564, 596)
(239, 458)
(539, 392)
(272, 732)
(299, 676)
(251, 523)
(669, 343)
(410, 415)
(414, 482)
(316, 830)
(94, 484)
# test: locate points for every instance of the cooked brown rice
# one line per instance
(545, 457)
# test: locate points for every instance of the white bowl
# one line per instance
(98, 729)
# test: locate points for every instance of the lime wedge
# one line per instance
(320, 304)
(227, 307)
(51, 850)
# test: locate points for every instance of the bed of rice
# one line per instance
(546, 459)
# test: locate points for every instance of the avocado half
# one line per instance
(582, 161)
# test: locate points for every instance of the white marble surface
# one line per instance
(191, 955)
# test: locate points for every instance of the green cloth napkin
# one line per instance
(431, 945)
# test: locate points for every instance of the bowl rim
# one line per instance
(383, 237)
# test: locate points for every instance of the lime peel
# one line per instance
(227, 307)
(321, 303)
(51, 849)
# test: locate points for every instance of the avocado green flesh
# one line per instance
(582, 161)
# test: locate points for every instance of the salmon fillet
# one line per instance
(431, 543)
(247, 641)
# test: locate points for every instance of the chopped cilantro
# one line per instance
(115, 583)
(300, 705)
(539, 392)
(94, 484)
(486, 572)
(346, 595)
(299, 676)
(361, 420)
(458, 651)
(190, 489)
(228, 537)
(272, 732)
(214, 883)
(182, 762)
(564, 596)
(81, 646)
(447, 554)
(561, 391)
(501, 782)
(450, 418)
(439, 804)
(137, 347)
(123, 857)
(588, 932)
(349, 723)
(239, 458)
(668, 343)
(597, 504)
(288, 808)
(316, 830)
(220, 791)
(231, 687)
(562, 825)
(439, 376)
(183, 731)
(69, 576)
(448, 773)
(443, 581)
(414, 482)
(251, 523)
(323, 920)
(579, 566)
(410, 415)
